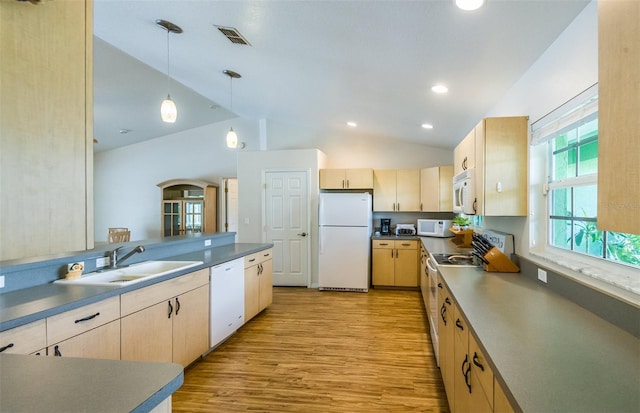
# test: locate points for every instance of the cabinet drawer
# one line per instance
(258, 257)
(99, 343)
(406, 245)
(71, 323)
(461, 327)
(24, 339)
(480, 367)
(383, 244)
(146, 297)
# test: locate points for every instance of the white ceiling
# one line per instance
(316, 63)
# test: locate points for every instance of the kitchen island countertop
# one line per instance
(60, 384)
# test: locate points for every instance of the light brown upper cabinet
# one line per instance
(436, 189)
(618, 120)
(464, 155)
(500, 162)
(361, 178)
(46, 128)
(501, 166)
(396, 190)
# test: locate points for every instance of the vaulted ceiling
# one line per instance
(315, 63)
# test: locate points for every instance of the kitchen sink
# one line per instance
(132, 274)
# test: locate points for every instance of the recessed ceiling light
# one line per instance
(469, 5)
(440, 89)
(427, 126)
(352, 124)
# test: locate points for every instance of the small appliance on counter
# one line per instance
(405, 229)
(434, 228)
(385, 226)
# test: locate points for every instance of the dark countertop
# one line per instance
(551, 354)
(36, 384)
(34, 303)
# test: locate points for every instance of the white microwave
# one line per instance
(434, 228)
(464, 193)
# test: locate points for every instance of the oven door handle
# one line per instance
(429, 265)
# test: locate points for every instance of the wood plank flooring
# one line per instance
(321, 351)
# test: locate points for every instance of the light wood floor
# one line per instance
(320, 351)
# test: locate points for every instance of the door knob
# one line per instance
(304, 234)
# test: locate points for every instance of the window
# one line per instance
(571, 135)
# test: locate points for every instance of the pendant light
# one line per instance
(168, 110)
(232, 136)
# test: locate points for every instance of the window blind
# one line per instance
(579, 110)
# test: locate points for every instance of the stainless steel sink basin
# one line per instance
(133, 274)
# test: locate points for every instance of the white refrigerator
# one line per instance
(345, 241)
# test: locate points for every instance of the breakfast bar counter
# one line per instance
(37, 384)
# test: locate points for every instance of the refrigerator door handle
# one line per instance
(321, 239)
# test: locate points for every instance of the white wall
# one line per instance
(349, 149)
(568, 67)
(125, 178)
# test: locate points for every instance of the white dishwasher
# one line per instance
(227, 300)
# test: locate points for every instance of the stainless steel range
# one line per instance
(454, 259)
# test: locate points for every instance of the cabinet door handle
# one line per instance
(252, 260)
(260, 269)
(467, 372)
(475, 361)
(443, 311)
(347, 183)
(56, 351)
(91, 317)
(177, 305)
(439, 285)
(170, 309)
(420, 206)
(398, 206)
(8, 346)
(459, 324)
(343, 184)
(446, 300)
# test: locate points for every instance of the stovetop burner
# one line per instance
(455, 259)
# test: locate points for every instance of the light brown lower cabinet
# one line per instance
(99, 343)
(27, 339)
(395, 263)
(446, 341)
(168, 321)
(500, 402)
(91, 331)
(258, 283)
(468, 378)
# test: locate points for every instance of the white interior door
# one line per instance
(287, 226)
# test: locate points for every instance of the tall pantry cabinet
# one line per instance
(46, 127)
(618, 120)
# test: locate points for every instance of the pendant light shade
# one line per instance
(168, 109)
(232, 137)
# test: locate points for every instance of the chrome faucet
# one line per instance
(115, 262)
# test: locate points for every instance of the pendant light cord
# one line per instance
(168, 65)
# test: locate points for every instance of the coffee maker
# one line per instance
(385, 226)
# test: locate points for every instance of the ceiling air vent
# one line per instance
(233, 35)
